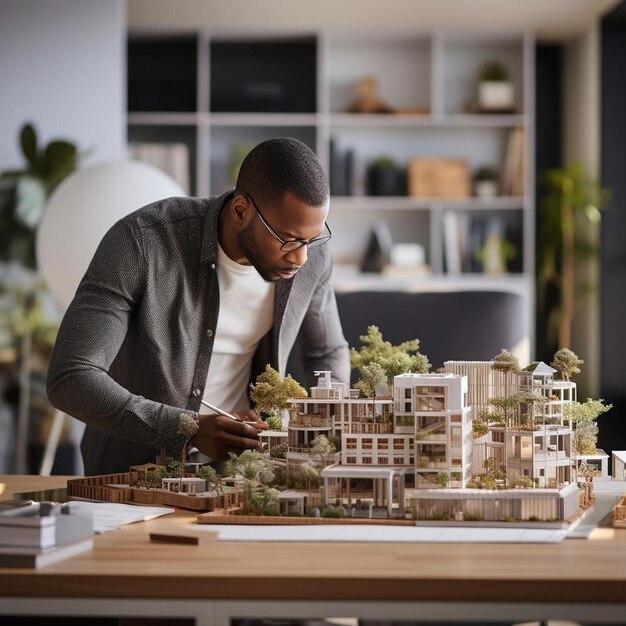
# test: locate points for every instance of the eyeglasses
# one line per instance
(292, 244)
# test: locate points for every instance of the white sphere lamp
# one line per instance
(83, 208)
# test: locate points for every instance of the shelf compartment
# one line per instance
(265, 76)
(162, 73)
(224, 139)
(167, 135)
(401, 64)
(464, 58)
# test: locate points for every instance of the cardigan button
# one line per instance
(209, 333)
(197, 392)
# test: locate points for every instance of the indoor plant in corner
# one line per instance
(28, 322)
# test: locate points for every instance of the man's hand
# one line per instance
(218, 435)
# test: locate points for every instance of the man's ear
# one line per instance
(240, 210)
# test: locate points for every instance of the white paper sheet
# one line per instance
(109, 516)
(378, 533)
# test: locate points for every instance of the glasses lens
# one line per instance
(319, 241)
(290, 246)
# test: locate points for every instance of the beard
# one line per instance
(251, 248)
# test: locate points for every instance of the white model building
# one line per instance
(416, 447)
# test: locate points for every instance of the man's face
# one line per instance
(293, 219)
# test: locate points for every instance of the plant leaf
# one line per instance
(30, 199)
(28, 143)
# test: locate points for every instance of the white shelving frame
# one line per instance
(441, 48)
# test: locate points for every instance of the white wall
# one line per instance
(62, 66)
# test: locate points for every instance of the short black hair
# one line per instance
(283, 165)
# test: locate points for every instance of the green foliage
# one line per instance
(335, 440)
(372, 377)
(401, 359)
(533, 518)
(173, 469)
(567, 363)
(506, 362)
(495, 71)
(303, 476)
(479, 429)
(383, 162)
(23, 193)
(274, 423)
(332, 511)
(485, 174)
(584, 416)
(250, 465)
(270, 392)
(264, 501)
(571, 200)
(153, 479)
(440, 516)
(442, 479)
(482, 481)
(525, 482)
(279, 451)
(210, 475)
(405, 420)
(471, 517)
(321, 448)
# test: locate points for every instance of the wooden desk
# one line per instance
(583, 580)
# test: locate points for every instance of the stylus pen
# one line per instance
(219, 411)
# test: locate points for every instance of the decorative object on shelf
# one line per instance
(512, 182)
(367, 97)
(408, 256)
(495, 91)
(171, 158)
(378, 250)
(486, 182)
(496, 251)
(438, 178)
(384, 178)
(570, 196)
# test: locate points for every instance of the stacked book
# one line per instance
(171, 158)
(38, 534)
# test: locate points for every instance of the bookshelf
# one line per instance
(239, 88)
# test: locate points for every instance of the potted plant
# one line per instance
(495, 90)
(486, 182)
(384, 178)
(570, 208)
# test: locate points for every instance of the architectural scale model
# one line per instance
(478, 442)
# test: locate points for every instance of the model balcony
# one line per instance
(311, 420)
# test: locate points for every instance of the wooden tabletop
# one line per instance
(126, 564)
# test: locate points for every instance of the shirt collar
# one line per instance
(210, 226)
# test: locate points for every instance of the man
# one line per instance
(189, 298)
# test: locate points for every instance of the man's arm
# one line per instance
(321, 342)
(91, 334)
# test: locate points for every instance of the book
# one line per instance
(37, 531)
(18, 556)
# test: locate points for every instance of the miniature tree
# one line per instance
(372, 377)
(172, 469)
(321, 448)
(567, 363)
(187, 427)
(442, 479)
(584, 416)
(270, 392)
(274, 423)
(402, 359)
(279, 451)
(152, 479)
(213, 481)
(587, 471)
(254, 467)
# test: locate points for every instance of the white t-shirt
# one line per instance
(245, 317)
